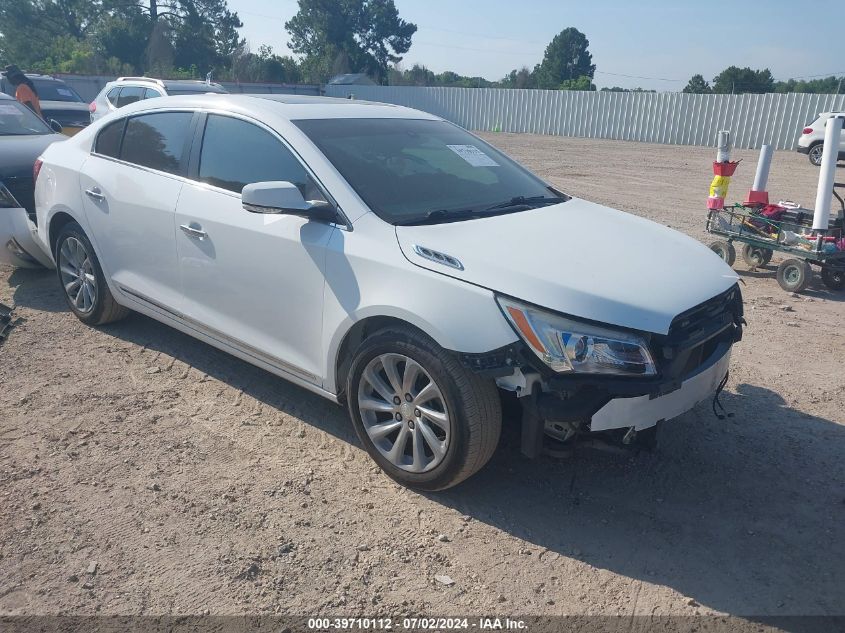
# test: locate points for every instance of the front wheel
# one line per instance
(82, 279)
(426, 420)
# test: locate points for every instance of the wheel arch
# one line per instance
(57, 222)
(356, 334)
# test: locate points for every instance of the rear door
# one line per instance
(250, 278)
(131, 184)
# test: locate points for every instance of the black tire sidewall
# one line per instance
(408, 345)
(806, 272)
(72, 229)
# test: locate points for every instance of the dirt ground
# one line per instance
(144, 472)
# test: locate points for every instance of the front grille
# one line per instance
(705, 320)
(23, 190)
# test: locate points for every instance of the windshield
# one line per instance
(18, 120)
(55, 91)
(418, 171)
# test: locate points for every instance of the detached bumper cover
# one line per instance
(644, 411)
(19, 245)
(802, 150)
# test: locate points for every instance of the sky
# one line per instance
(653, 44)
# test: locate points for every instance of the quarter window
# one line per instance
(157, 140)
(151, 94)
(236, 153)
(112, 95)
(108, 141)
(129, 94)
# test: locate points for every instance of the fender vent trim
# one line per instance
(438, 257)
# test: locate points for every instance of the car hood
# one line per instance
(18, 153)
(581, 259)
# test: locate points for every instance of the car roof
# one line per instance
(290, 107)
(170, 84)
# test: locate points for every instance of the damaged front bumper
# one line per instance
(692, 360)
(19, 242)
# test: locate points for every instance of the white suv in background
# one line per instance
(389, 260)
(811, 141)
(126, 90)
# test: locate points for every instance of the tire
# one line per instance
(794, 275)
(833, 278)
(90, 300)
(814, 154)
(725, 250)
(756, 256)
(465, 410)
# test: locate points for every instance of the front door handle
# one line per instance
(95, 194)
(194, 230)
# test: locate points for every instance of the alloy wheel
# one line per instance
(816, 154)
(404, 413)
(77, 274)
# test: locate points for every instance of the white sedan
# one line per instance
(387, 259)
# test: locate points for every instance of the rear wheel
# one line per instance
(425, 419)
(833, 278)
(756, 256)
(794, 275)
(815, 154)
(725, 250)
(82, 280)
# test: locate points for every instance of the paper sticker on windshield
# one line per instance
(473, 155)
(64, 92)
(9, 110)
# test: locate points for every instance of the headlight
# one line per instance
(570, 346)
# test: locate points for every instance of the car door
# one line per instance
(130, 186)
(252, 279)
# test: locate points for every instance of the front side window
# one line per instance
(108, 140)
(413, 171)
(236, 153)
(157, 140)
(129, 94)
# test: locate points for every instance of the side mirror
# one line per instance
(55, 125)
(284, 197)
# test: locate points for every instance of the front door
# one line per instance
(252, 279)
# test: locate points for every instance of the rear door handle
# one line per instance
(95, 194)
(194, 230)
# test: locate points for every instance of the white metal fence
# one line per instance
(671, 118)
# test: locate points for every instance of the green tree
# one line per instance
(566, 58)
(349, 35)
(582, 83)
(826, 85)
(734, 80)
(520, 79)
(698, 85)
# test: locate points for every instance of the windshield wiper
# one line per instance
(441, 215)
(524, 202)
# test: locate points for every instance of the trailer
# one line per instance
(808, 238)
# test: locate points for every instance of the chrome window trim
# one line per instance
(346, 227)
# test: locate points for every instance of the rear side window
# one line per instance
(149, 93)
(236, 153)
(112, 95)
(108, 140)
(129, 94)
(157, 140)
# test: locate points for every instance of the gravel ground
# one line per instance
(144, 472)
